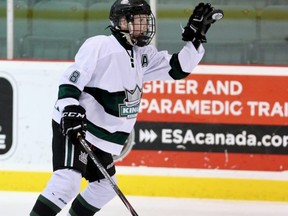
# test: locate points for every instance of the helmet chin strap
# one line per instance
(128, 35)
(128, 38)
(131, 32)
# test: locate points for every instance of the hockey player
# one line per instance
(99, 97)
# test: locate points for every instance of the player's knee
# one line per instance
(68, 182)
(63, 186)
(99, 193)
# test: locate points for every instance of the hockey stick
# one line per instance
(106, 175)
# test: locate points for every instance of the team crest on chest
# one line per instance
(130, 107)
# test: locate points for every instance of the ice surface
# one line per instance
(20, 204)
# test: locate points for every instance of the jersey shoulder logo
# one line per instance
(130, 107)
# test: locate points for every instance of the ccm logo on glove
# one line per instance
(73, 122)
(74, 114)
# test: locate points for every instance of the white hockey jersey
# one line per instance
(106, 79)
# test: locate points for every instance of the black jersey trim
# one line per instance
(48, 203)
(117, 137)
(109, 100)
(68, 91)
(82, 207)
(176, 71)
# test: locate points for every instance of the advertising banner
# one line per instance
(220, 117)
(213, 121)
(7, 115)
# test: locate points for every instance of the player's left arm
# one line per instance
(181, 64)
(164, 66)
(200, 22)
(194, 33)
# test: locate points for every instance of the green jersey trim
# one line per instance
(108, 100)
(176, 71)
(68, 91)
(117, 137)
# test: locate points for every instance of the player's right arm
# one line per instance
(76, 76)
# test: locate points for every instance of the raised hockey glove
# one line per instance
(73, 122)
(199, 23)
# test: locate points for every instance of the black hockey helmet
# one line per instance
(128, 9)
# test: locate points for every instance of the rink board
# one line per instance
(164, 135)
(167, 186)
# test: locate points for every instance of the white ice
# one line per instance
(20, 203)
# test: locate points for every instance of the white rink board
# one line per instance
(36, 85)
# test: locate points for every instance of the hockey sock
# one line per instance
(81, 207)
(44, 207)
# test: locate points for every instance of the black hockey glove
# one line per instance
(73, 122)
(199, 23)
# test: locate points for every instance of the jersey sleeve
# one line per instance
(77, 75)
(164, 66)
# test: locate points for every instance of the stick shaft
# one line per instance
(107, 176)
